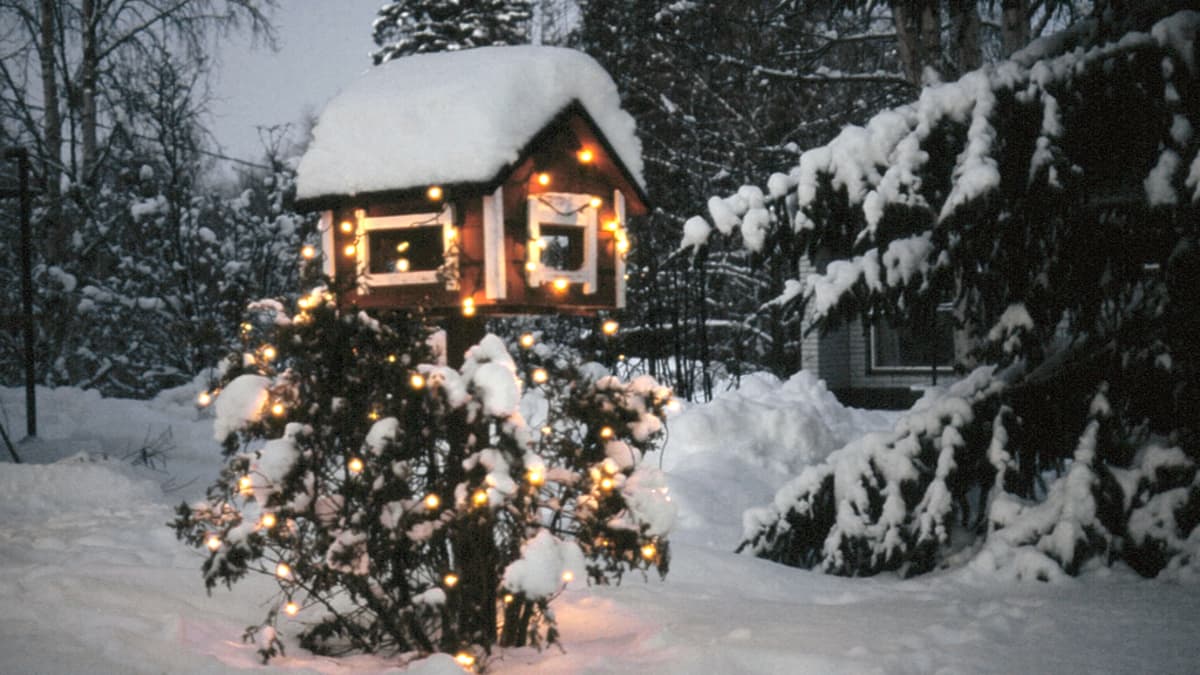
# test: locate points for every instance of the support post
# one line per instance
(21, 155)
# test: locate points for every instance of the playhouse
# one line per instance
(496, 180)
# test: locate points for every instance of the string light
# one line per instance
(468, 307)
(649, 551)
(606, 483)
(546, 430)
(245, 484)
(308, 252)
(527, 340)
(350, 250)
(508, 598)
(347, 226)
(612, 225)
(610, 327)
(278, 409)
(373, 415)
(543, 179)
(203, 399)
(561, 284)
(622, 245)
(268, 353)
(450, 580)
(535, 477)
(213, 542)
(283, 570)
(585, 156)
(434, 193)
(540, 375)
(267, 521)
(417, 381)
(391, 358)
(606, 433)
(464, 659)
(595, 202)
(432, 501)
(355, 465)
(531, 266)
(568, 576)
(402, 265)
(291, 608)
(480, 497)
(247, 327)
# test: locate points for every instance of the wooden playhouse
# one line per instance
(492, 181)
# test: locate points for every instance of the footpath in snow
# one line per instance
(93, 581)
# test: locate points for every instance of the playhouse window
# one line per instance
(562, 233)
(407, 249)
(918, 347)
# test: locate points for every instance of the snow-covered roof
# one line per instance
(455, 117)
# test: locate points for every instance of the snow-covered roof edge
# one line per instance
(458, 118)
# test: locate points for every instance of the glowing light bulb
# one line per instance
(508, 598)
(568, 576)
(606, 433)
(585, 156)
(402, 265)
(350, 250)
(531, 266)
(203, 399)
(347, 226)
(649, 551)
(610, 327)
(278, 410)
(267, 521)
(213, 542)
(269, 353)
(432, 501)
(247, 327)
(535, 477)
(283, 570)
(464, 659)
(468, 307)
(546, 431)
(434, 193)
(561, 284)
(417, 381)
(291, 608)
(595, 202)
(245, 484)
(480, 497)
(355, 465)
(606, 484)
(543, 179)
(622, 246)
(540, 375)
(308, 252)
(373, 415)
(450, 580)
(527, 340)
(612, 225)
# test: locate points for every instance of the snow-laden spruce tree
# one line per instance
(1053, 199)
(407, 27)
(409, 507)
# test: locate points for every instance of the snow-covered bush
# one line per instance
(407, 506)
(1070, 265)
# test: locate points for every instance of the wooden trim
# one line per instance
(494, 268)
(618, 257)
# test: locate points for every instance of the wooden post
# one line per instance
(22, 157)
(462, 333)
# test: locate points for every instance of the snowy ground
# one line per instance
(92, 581)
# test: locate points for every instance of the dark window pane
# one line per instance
(406, 249)
(917, 346)
(562, 247)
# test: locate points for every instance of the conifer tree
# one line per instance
(422, 26)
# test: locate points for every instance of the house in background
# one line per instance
(878, 365)
(495, 180)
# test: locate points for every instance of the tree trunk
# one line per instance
(964, 35)
(52, 137)
(909, 46)
(88, 74)
(1014, 25)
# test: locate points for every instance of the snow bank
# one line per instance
(455, 117)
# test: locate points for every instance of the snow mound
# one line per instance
(455, 117)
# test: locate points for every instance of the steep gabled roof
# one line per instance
(456, 118)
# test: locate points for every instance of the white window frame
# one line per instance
(445, 218)
(872, 353)
(562, 208)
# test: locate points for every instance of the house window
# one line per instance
(562, 233)
(417, 248)
(918, 347)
